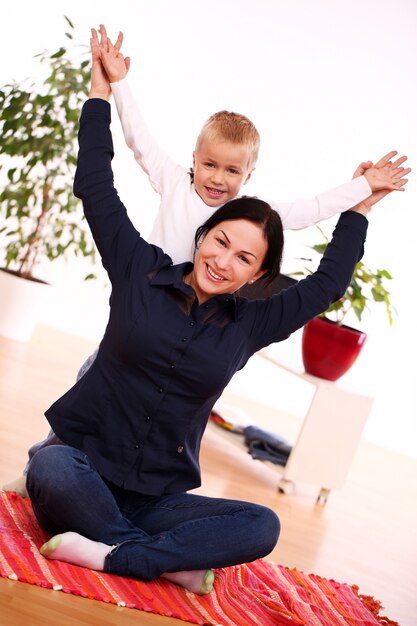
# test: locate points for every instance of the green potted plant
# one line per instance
(329, 346)
(39, 216)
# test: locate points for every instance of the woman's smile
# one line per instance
(213, 275)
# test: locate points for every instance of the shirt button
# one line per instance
(206, 306)
(136, 446)
(192, 324)
(172, 366)
(180, 449)
(160, 390)
(147, 418)
(184, 339)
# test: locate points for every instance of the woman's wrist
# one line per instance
(94, 93)
(361, 208)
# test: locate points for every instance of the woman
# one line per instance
(131, 427)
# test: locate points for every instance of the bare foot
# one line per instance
(17, 485)
(198, 581)
(76, 549)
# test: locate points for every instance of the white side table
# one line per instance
(328, 438)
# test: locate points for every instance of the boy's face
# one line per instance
(220, 169)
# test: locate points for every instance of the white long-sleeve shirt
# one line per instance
(181, 209)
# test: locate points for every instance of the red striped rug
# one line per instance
(254, 594)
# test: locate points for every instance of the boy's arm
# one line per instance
(368, 178)
(303, 213)
(148, 154)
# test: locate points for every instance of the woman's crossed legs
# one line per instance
(178, 536)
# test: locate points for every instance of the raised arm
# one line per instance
(368, 179)
(116, 238)
(284, 313)
(147, 152)
(276, 318)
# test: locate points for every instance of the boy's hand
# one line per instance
(114, 63)
(384, 175)
(100, 86)
(393, 170)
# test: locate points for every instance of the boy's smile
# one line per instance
(220, 169)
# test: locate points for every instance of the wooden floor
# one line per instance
(365, 534)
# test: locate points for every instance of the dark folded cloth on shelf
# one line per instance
(266, 446)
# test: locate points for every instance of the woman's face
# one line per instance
(230, 255)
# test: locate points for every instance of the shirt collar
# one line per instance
(174, 275)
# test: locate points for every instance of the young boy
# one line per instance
(224, 158)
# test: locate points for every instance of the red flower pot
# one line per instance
(329, 350)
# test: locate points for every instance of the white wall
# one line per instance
(328, 83)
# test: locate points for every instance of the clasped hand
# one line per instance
(383, 177)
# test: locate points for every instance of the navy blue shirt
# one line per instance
(140, 411)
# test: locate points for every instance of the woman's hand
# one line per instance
(383, 177)
(114, 63)
(100, 86)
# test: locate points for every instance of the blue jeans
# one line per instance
(152, 535)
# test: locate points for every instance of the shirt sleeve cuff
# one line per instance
(363, 185)
(96, 105)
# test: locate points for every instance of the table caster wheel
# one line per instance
(323, 495)
(285, 486)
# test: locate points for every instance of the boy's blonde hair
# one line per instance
(233, 127)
